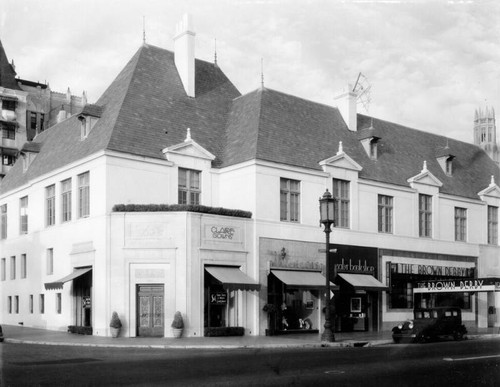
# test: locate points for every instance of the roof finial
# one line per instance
(215, 52)
(188, 135)
(144, 29)
(424, 169)
(341, 149)
(262, 72)
(492, 183)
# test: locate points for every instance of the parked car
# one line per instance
(1, 334)
(431, 324)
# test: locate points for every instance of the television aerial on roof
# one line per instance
(362, 88)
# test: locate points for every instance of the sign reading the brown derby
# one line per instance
(447, 271)
(221, 232)
(465, 285)
(218, 298)
(354, 259)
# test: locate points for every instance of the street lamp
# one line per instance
(327, 218)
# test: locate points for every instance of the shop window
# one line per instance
(189, 186)
(83, 195)
(66, 200)
(50, 205)
(492, 225)
(23, 215)
(3, 221)
(425, 215)
(401, 294)
(341, 192)
(23, 265)
(432, 300)
(289, 200)
(460, 224)
(385, 214)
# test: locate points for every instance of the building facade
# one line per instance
(174, 192)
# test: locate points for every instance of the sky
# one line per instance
(429, 63)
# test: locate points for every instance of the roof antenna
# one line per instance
(215, 52)
(144, 29)
(262, 73)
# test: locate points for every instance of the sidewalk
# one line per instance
(25, 335)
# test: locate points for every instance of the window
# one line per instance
(8, 160)
(289, 200)
(385, 214)
(449, 166)
(23, 214)
(66, 200)
(3, 221)
(3, 268)
(12, 268)
(32, 120)
(58, 303)
(8, 133)
(16, 304)
(23, 265)
(83, 195)
(8, 104)
(42, 121)
(31, 303)
(341, 193)
(50, 261)
(42, 303)
(9, 304)
(492, 225)
(460, 224)
(425, 215)
(50, 205)
(189, 186)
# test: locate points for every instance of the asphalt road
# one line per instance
(466, 363)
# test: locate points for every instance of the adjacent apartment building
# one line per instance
(174, 192)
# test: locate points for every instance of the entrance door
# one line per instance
(150, 316)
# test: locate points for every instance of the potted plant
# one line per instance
(271, 310)
(115, 325)
(177, 325)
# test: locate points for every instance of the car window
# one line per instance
(434, 314)
(447, 313)
(418, 314)
(455, 313)
(427, 315)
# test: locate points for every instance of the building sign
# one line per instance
(358, 266)
(86, 302)
(354, 259)
(222, 232)
(458, 285)
(443, 271)
(218, 298)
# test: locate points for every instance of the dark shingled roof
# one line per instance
(7, 72)
(145, 109)
(91, 110)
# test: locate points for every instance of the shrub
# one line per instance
(178, 322)
(224, 331)
(115, 321)
(80, 330)
(181, 208)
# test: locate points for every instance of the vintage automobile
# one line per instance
(431, 324)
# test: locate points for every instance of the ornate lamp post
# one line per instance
(327, 218)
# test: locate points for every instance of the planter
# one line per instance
(177, 333)
(115, 332)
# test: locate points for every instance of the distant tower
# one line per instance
(485, 132)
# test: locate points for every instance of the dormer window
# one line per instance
(449, 165)
(446, 163)
(370, 145)
(88, 118)
(28, 153)
(373, 148)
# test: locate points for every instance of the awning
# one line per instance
(302, 279)
(363, 281)
(59, 284)
(232, 278)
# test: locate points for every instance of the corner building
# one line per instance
(175, 192)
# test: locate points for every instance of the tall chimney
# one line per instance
(184, 53)
(346, 103)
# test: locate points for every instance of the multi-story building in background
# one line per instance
(174, 192)
(485, 132)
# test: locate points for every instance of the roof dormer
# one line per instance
(445, 160)
(28, 153)
(189, 153)
(370, 140)
(88, 117)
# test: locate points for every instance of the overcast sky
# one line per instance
(430, 64)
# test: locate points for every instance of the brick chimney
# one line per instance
(346, 103)
(184, 53)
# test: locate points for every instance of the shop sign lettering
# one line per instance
(86, 301)
(222, 232)
(453, 286)
(218, 298)
(447, 271)
(354, 267)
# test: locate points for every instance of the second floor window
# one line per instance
(23, 215)
(12, 268)
(50, 261)
(66, 200)
(425, 215)
(341, 192)
(492, 225)
(460, 224)
(3, 221)
(189, 186)
(23, 266)
(83, 195)
(50, 205)
(3, 268)
(385, 213)
(289, 200)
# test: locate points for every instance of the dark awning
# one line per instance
(232, 278)
(302, 279)
(59, 284)
(363, 281)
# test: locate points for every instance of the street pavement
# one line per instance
(26, 335)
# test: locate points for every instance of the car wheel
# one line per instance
(397, 340)
(421, 338)
(458, 335)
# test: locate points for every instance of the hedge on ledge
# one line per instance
(181, 208)
(224, 331)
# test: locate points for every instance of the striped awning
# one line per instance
(232, 278)
(302, 279)
(59, 284)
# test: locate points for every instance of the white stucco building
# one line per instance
(414, 208)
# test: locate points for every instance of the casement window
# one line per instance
(460, 224)
(425, 215)
(12, 268)
(42, 303)
(3, 268)
(23, 266)
(58, 303)
(8, 132)
(35, 121)
(385, 214)
(289, 200)
(9, 304)
(341, 192)
(50, 261)
(16, 304)
(83, 195)
(8, 104)
(3, 221)
(189, 186)
(23, 215)
(50, 205)
(66, 200)
(31, 303)
(492, 225)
